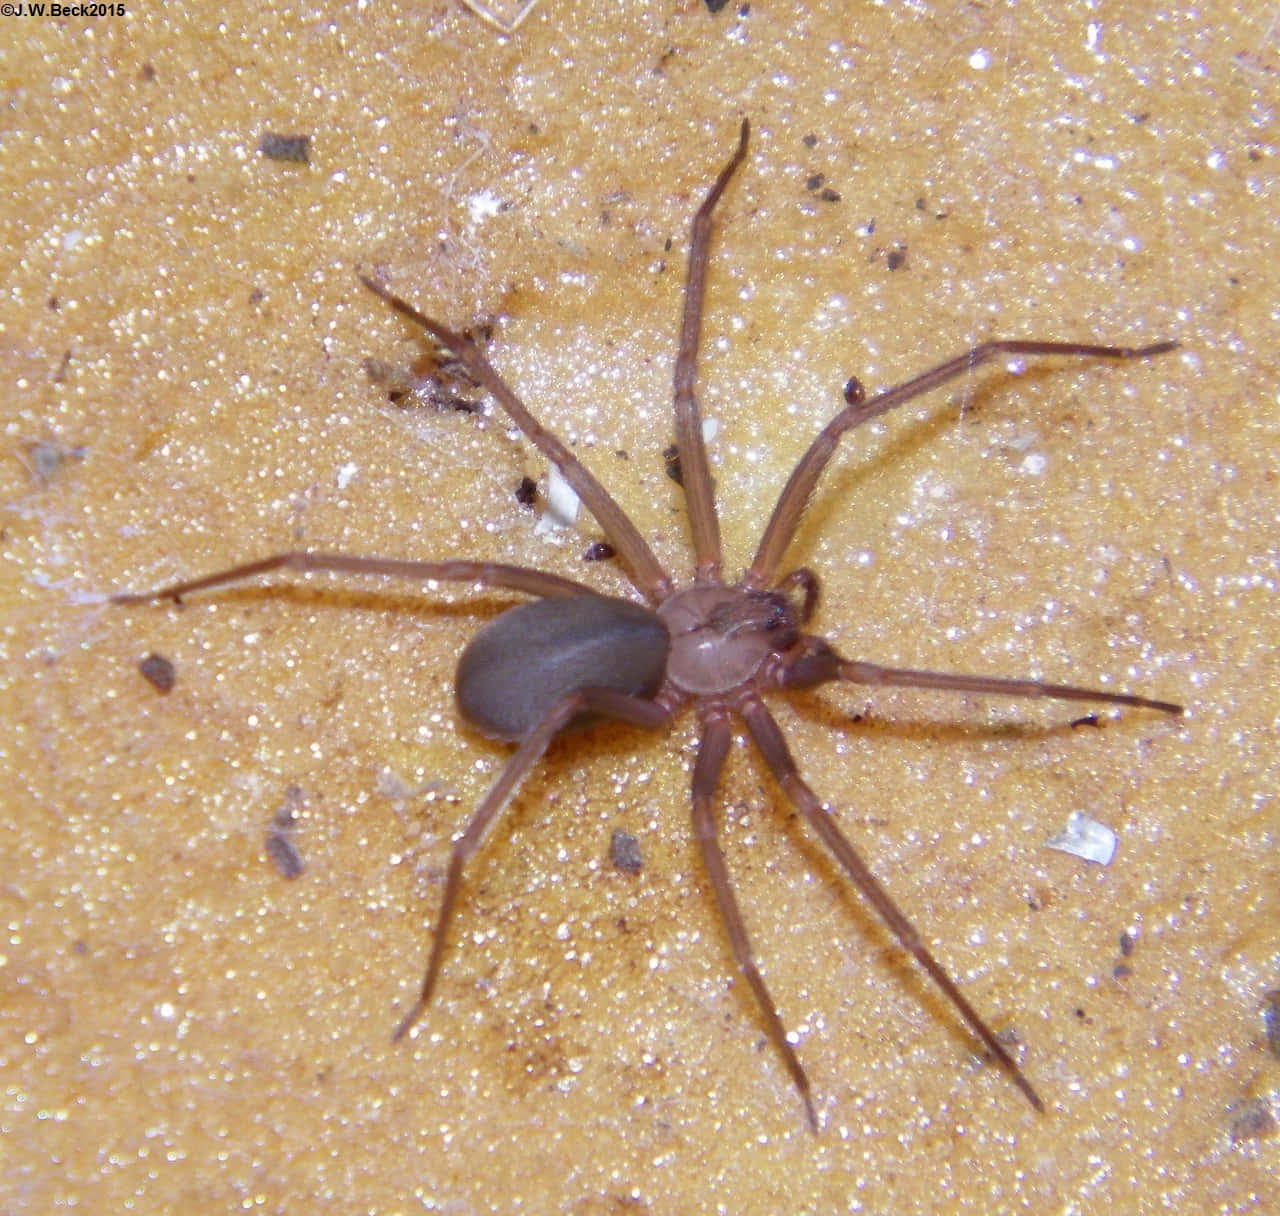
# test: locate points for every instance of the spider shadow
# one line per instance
(880, 949)
(597, 743)
(332, 597)
(970, 406)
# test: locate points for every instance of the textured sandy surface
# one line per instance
(185, 1029)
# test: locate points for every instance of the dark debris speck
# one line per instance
(158, 672)
(284, 855)
(294, 149)
(1271, 1021)
(280, 848)
(624, 852)
(671, 459)
(1251, 1120)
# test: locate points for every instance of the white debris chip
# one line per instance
(483, 205)
(1087, 838)
(562, 503)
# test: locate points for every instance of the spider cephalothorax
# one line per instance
(571, 656)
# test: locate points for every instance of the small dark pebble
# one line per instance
(624, 852)
(293, 148)
(526, 492)
(599, 551)
(158, 672)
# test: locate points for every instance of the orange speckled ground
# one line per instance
(184, 1029)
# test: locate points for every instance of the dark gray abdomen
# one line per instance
(517, 667)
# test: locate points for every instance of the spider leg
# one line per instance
(486, 574)
(696, 471)
(768, 738)
(804, 477)
(820, 664)
(712, 749)
(634, 710)
(646, 571)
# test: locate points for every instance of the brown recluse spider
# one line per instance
(570, 655)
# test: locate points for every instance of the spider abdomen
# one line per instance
(532, 656)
